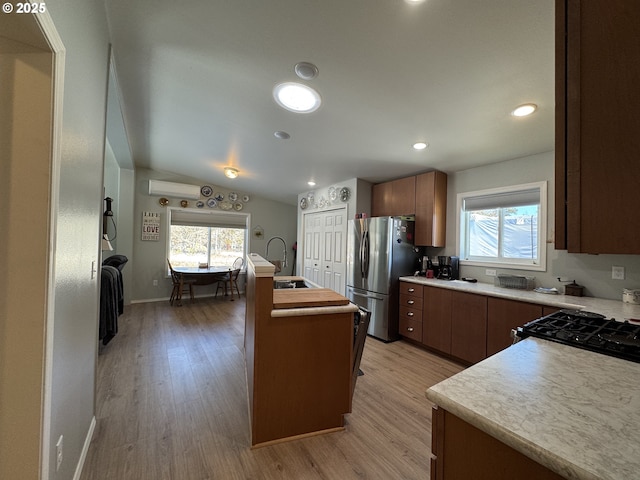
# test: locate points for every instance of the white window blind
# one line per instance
(502, 200)
(208, 219)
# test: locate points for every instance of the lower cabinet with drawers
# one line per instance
(410, 318)
(467, 326)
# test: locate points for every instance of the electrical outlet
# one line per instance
(59, 457)
(617, 273)
(155, 283)
(490, 272)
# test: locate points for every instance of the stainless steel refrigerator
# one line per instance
(379, 250)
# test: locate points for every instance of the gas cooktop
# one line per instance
(587, 330)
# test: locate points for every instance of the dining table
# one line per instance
(201, 276)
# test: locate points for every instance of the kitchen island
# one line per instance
(575, 414)
(298, 355)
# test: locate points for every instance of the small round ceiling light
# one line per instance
(282, 135)
(306, 70)
(420, 145)
(296, 97)
(311, 183)
(524, 110)
(231, 172)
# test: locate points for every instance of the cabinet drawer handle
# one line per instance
(411, 290)
(409, 314)
(409, 329)
(411, 302)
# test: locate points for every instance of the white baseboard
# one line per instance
(85, 449)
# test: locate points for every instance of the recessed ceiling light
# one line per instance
(420, 145)
(524, 110)
(311, 183)
(282, 135)
(231, 172)
(306, 70)
(296, 97)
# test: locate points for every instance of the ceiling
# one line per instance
(196, 80)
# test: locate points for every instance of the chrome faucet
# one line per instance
(284, 260)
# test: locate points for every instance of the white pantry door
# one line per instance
(325, 248)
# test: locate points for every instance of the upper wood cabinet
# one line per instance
(397, 197)
(597, 125)
(424, 196)
(431, 209)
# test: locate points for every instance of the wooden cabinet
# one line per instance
(436, 318)
(504, 315)
(461, 450)
(597, 125)
(431, 209)
(424, 196)
(410, 318)
(381, 199)
(397, 197)
(469, 326)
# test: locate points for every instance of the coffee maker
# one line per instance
(449, 268)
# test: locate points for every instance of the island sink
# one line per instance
(278, 284)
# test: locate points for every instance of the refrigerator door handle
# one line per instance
(364, 295)
(364, 253)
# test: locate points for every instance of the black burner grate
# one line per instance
(587, 330)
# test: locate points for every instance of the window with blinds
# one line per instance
(504, 227)
(203, 236)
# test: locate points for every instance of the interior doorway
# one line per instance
(31, 59)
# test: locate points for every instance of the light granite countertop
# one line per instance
(571, 410)
(609, 308)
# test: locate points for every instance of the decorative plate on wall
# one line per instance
(233, 196)
(237, 206)
(303, 203)
(345, 194)
(225, 205)
(245, 198)
(163, 201)
(184, 203)
(206, 191)
(199, 204)
(212, 203)
(219, 196)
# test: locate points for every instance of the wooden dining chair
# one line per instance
(178, 283)
(230, 280)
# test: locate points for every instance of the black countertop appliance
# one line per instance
(449, 268)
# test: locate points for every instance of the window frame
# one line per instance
(461, 229)
(214, 214)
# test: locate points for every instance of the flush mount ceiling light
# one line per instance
(306, 70)
(231, 172)
(282, 135)
(311, 183)
(296, 97)
(420, 145)
(524, 110)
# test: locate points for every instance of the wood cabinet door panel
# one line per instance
(504, 315)
(436, 318)
(597, 146)
(431, 209)
(469, 326)
(381, 199)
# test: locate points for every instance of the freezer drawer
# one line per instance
(378, 305)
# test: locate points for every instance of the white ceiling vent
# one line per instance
(170, 189)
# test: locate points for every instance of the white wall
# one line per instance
(592, 271)
(82, 27)
(150, 257)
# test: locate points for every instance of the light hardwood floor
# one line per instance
(172, 404)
